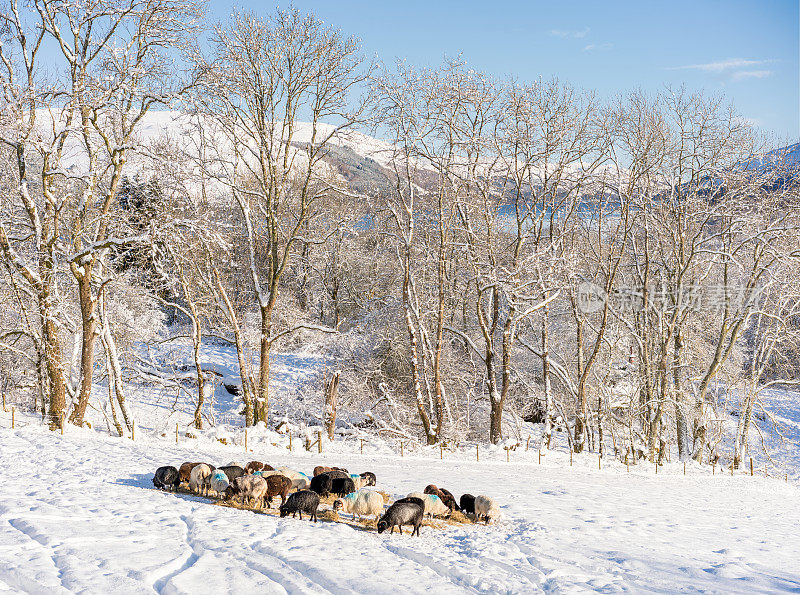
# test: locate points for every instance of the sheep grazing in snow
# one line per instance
(186, 471)
(219, 481)
(338, 473)
(361, 503)
(486, 508)
(198, 479)
(358, 481)
(232, 471)
(300, 502)
(370, 477)
(166, 478)
(277, 485)
(432, 502)
(320, 469)
(467, 504)
(253, 466)
(321, 484)
(413, 500)
(445, 496)
(341, 486)
(399, 514)
(300, 481)
(250, 488)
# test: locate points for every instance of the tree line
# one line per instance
(623, 271)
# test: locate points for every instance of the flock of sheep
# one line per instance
(258, 483)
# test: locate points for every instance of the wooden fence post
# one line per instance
(599, 462)
(319, 441)
(245, 439)
(570, 457)
(477, 452)
(508, 459)
(133, 430)
(4, 403)
(751, 466)
(176, 433)
(63, 417)
(540, 457)
(362, 445)
(290, 442)
(12, 417)
(401, 448)
(441, 451)
(684, 467)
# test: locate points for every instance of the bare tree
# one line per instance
(263, 78)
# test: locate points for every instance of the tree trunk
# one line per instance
(54, 362)
(331, 396)
(89, 334)
(262, 398)
(548, 389)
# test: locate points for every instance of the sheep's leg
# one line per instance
(400, 528)
(301, 514)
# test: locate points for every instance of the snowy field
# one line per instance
(78, 513)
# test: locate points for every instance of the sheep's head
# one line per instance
(230, 492)
(382, 525)
(284, 511)
(337, 504)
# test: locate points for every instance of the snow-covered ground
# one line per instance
(79, 513)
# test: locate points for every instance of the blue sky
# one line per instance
(747, 50)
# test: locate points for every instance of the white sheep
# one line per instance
(361, 503)
(300, 481)
(198, 480)
(433, 504)
(359, 481)
(219, 482)
(486, 508)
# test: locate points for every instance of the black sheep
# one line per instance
(166, 477)
(467, 503)
(402, 513)
(341, 486)
(412, 500)
(370, 477)
(232, 472)
(322, 484)
(300, 502)
(334, 473)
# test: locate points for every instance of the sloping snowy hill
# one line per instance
(79, 513)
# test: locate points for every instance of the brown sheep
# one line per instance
(185, 471)
(253, 466)
(320, 469)
(445, 496)
(277, 485)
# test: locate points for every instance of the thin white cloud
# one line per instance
(751, 74)
(570, 34)
(721, 66)
(598, 47)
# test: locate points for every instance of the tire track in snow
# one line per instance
(29, 531)
(188, 561)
